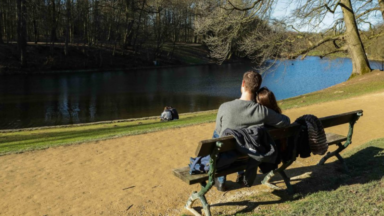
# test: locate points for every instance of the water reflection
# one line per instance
(29, 101)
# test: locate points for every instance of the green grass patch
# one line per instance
(361, 192)
(19, 141)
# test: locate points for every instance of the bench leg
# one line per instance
(280, 170)
(287, 182)
(342, 147)
(341, 160)
(205, 187)
(195, 195)
(331, 154)
(337, 154)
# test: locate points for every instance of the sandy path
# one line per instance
(132, 175)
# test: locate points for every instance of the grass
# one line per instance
(361, 192)
(20, 141)
(25, 140)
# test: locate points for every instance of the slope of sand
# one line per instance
(133, 175)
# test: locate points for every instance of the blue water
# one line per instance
(296, 77)
(42, 100)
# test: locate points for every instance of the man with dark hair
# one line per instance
(245, 112)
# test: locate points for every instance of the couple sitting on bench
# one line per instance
(258, 146)
(255, 107)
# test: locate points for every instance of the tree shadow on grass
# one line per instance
(364, 166)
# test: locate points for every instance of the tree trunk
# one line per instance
(34, 23)
(67, 33)
(35, 31)
(53, 29)
(1, 27)
(381, 3)
(21, 31)
(138, 26)
(6, 24)
(131, 25)
(185, 25)
(129, 22)
(95, 37)
(355, 46)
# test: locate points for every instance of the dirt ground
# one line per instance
(133, 175)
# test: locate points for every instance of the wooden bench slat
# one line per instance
(335, 138)
(205, 147)
(334, 120)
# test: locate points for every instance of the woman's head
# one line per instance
(266, 98)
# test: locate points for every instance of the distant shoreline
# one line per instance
(100, 69)
(6, 71)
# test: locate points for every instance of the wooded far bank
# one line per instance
(41, 35)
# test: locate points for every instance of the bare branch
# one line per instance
(342, 49)
(334, 9)
(365, 4)
(304, 51)
(244, 9)
(376, 36)
(367, 11)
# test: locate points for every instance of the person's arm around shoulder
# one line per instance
(275, 119)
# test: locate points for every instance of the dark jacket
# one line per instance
(175, 114)
(316, 138)
(255, 142)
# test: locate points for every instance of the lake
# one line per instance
(57, 99)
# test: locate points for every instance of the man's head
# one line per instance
(251, 82)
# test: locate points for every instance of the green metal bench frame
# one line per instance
(214, 146)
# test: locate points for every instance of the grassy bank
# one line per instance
(19, 141)
(24, 140)
(369, 83)
(361, 192)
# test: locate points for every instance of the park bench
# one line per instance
(214, 146)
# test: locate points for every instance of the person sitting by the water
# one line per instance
(169, 114)
(245, 113)
(166, 115)
(175, 114)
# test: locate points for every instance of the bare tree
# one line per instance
(345, 34)
(228, 25)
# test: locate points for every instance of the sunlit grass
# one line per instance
(20, 141)
(361, 192)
